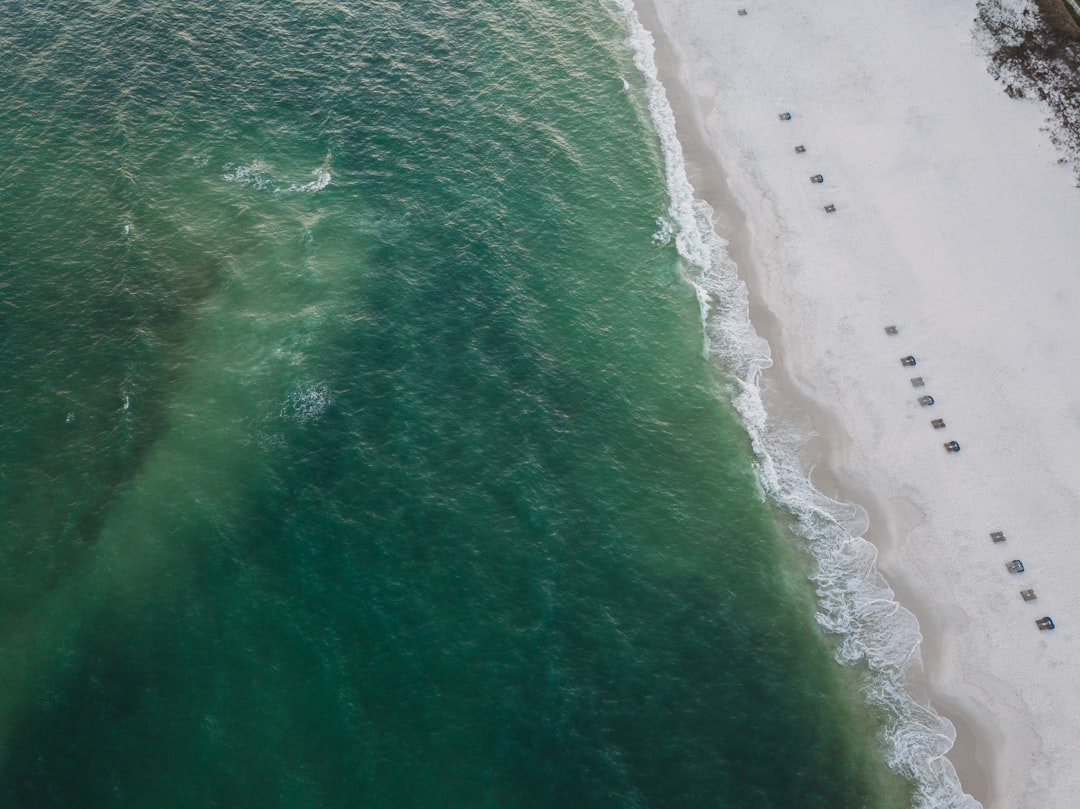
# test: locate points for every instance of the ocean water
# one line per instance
(359, 445)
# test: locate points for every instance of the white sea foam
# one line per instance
(307, 403)
(664, 232)
(854, 601)
(253, 174)
(257, 175)
(322, 179)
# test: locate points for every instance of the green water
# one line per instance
(359, 448)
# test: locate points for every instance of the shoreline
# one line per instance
(999, 737)
(785, 400)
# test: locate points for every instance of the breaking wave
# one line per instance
(854, 601)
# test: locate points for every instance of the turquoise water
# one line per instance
(359, 446)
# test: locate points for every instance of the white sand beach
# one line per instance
(956, 223)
